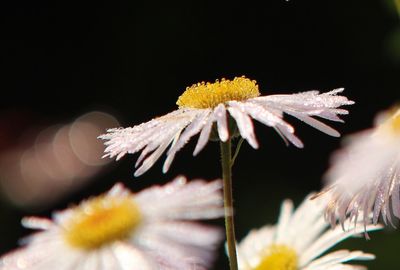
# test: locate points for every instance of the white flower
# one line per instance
(226, 103)
(150, 230)
(364, 177)
(298, 242)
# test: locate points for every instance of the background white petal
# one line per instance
(182, 200)
(306, 232)
(364, 178)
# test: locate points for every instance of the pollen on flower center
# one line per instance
(278, 257)
(209, 95)
(102, 220)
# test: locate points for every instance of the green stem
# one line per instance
(226, 162)
(237, 150)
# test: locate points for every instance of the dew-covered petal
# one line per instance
(316, 124)
(204, 136)
(308, 104)
(222, 122)
(152, 138)
(244, 123)
(192, 129)
(151, 159)
(270, 118)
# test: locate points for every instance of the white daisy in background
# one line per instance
(299, 241)
(150, 230)
(225, 103)
(364, 176)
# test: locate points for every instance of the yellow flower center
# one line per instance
(392, 124)
(395, 123)
(102, 220)
(278, 257)
(209, 95)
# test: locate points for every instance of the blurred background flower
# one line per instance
(300, 240)
(153, 229)
(133, 59)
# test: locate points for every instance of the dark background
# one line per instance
(133, 59)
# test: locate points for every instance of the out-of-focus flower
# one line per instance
(121, 230)
(226, 103)
(365, 174)
(61, 159)
(299, 241)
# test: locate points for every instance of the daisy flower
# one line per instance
(298, 242)
(150, 230)
(226, 103)
(364, 176)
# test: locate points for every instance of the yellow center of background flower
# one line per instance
(278, 257)
(391, 125)
(102, 220)
(395, 123)
(209, 95)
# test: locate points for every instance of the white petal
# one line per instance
(204, 136)
(37, 223)
(90, 261)
(309, 101)
(338, 257)
(283, 221)
(154, 135)
(42, 256)
(222, 122)
(309, 104)
(254, 244)
(197, 124)
(182, 200)
(316, 124)
(289, 136)
(244, 124)
(188, 233)
(170, 158)
(331, 238)
(270, 118)
(396, 198)
(130, 258)
(149, 161)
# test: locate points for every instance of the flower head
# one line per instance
(204, 105)
(119, 230)
(364, 176)
(298, 242)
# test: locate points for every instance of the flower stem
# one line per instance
(236, 151)
(226, 162)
